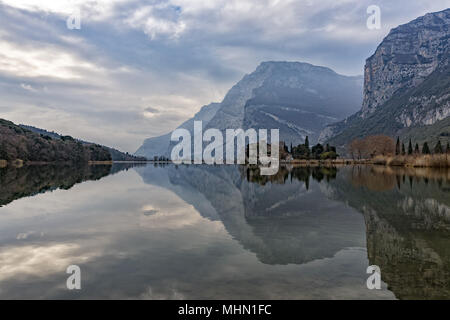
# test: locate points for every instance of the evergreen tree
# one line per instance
(416, 149)
(438, 149)
(317, 151)
(307, 142)
(300, 152)
(290, 151)
(410, 148)
(397, 147)
(403, 149)
(425, 149)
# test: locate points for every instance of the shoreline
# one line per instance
(407, 161)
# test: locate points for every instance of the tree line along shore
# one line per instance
(19, 145)
(371, 150)
(383, 150)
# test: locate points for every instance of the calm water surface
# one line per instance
(224, 232)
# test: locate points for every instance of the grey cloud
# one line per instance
(151, 110)
(181, 73)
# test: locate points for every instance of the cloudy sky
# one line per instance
(137, 69)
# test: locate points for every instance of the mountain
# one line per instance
(300, 99)
(42, 132)
(159, 146)
(20, 143)
(406, 86)
(116, 155)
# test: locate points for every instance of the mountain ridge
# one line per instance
(17, 143)
(116, 155)
(406, 88)
(298, 98)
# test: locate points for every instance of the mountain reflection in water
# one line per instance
(311, 230)
(281, 219)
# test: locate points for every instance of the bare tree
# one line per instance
(372, 146)
(379, 145)
(356, 148)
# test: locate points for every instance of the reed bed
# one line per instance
(415, 161)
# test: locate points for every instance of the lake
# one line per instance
(224, 232)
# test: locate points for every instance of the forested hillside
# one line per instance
(20, 143)
(116, 155)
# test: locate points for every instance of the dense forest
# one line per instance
(116, 155)
(20, 143)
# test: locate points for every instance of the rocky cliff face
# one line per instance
(406, 84)
(409, 54)
(426, 107)
(299, 99)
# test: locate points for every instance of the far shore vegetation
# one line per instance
(376, 150)
(21, 145)
(383, 150)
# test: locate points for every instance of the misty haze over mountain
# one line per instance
(297, 98)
